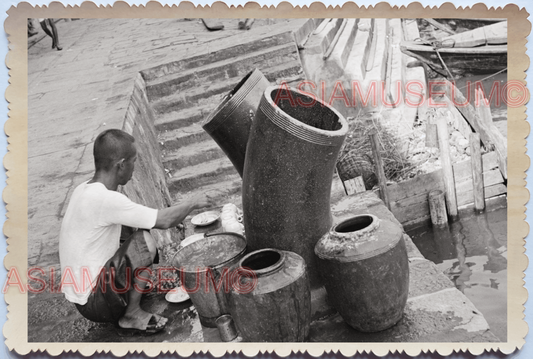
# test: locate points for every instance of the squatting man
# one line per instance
(91, 244)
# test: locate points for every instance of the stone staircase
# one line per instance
(185, 92)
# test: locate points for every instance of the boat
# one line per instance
(457, 25)
(480, 59)
(481, 50)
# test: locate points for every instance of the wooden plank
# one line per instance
(416, 209)
(494, 34)
(447, 169)
(467, 197)
(431, 130)
(304, 32)
(477, 172)
(437, 208)
(490, 178)
(416, 200)
(406, 213)
(489, 137)
(496, 137)
(380, 172)
(421, 184)
(419, 48)
(461, 170)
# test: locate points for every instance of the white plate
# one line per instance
(191, 239)
(205, 219)
(177, 295)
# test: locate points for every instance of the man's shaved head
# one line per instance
(111, 146)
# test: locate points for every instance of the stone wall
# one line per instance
(148, 184)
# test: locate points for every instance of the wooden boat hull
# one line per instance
(482, 59)
(469, 24)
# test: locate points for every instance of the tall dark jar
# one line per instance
(290, 159)
(229, 124)
(270, 300)
(363, 262)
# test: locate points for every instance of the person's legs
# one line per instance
(45, 29)
(55, 37)
(115, 298)
(135, 316)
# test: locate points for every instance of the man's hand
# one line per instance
(202, 200)
(172, 216)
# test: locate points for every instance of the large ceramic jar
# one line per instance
(290, 159)
(205, 267)
(363, 262)
(229, 124)
(271, 301)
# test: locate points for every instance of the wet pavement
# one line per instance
(472, 253)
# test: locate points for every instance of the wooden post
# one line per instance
(437, 208)
(431, 130)
(489, 134)
(382, 180)
(477, 172)
(496, 138)
(447, 169)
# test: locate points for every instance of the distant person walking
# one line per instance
(53, 33)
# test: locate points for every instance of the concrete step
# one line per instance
(177, 117)
(289, 71)
(202, 175)
(183, 118)
(191, 155)
(199, 96)
(176, 139)
(209, 94)
(234, 67)
(255, 40)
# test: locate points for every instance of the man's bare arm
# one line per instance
(172, 216)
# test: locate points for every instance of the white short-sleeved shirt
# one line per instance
(90, 234)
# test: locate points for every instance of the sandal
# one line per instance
(151, 328)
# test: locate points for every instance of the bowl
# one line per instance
(205, 218)
(177, 295)
(191, 239)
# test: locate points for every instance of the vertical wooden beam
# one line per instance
(382, 180)
(437, 208)
(495, 136)
(477, 172)
(489, 134)
(447, 169)
(431, 130)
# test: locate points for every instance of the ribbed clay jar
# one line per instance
(271, 301)
(229, 124)
(363, 262)
(290, 160)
